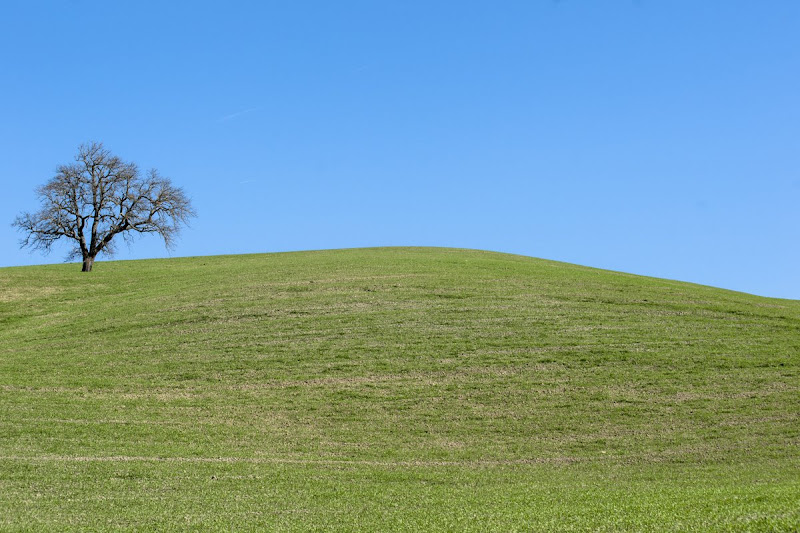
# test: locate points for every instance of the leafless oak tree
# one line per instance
(99, 197)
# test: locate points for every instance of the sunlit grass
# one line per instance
(393, 389)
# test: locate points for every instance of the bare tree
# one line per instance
(99, 197)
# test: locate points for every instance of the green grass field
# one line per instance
(394, 389)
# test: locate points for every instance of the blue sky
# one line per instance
(654, 137)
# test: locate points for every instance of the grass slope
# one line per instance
(392, 389)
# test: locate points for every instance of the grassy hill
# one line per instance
(393, 389)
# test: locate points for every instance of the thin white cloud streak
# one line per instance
(238, 114)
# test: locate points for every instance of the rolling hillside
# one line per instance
(393, 389)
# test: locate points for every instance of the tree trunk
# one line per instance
(87, 264)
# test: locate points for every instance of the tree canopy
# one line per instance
(98, 197)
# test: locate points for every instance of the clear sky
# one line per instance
(658, 137)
